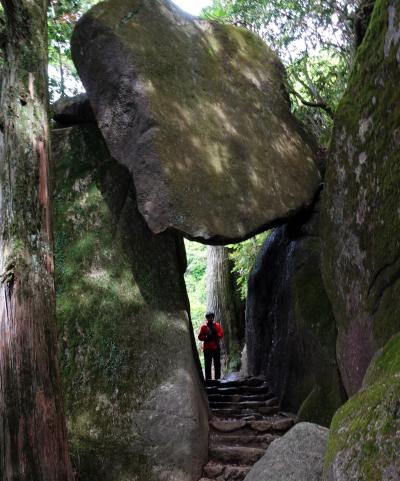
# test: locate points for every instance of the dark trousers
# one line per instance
(209, 357)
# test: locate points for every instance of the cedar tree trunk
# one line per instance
(222, 299)
(33, 444)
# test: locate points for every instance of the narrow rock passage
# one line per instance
(245, 419)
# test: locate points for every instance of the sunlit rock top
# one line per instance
(199, 114)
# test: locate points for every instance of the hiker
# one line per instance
(210, 333)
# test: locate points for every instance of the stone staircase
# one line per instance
(246, 418)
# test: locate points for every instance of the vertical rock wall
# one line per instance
(361, 256)
(360, 226)
(290, 328)
(134, 400)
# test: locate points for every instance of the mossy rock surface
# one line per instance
(199, 114)
(134, 403)
(360, 225)
(290, 327)
(364, 442)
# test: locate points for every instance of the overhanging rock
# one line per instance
(199, 114)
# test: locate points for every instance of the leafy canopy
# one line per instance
(315, 40)
(243, 257)
(61, 19)
(195, 278)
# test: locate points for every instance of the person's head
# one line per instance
(210, 316)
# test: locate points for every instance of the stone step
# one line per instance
(251, 381)
(237, 413)
(241, 397)
(243, 439)
(240, 411)
(239, 405)
(268, 410)
(250, 416)
(232, 385)
(261, 426)
(227, 426)
(279, 425)
(241, 390)
(283, 424)
(228, 413)
(225, 471)
(246, 419)
(224, 401)
(239, 455)
(274, 401)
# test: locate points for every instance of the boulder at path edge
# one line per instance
(297, 456)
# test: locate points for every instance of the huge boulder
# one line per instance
(297, 456)
(198, 113)
(360, 226)
(134, 402)
(364, 441)
(290, 327)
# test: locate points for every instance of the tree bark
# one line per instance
(33, 444)
(223, 301)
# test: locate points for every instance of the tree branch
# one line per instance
(337, 8)
(311, 86)
(318, 105)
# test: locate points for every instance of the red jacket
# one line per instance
(211, 344)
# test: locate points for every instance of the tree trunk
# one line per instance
(33, 444)
(222, 299)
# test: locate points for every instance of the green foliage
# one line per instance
(290, 24)
(314, 39)
(327, 74)
(61, 19)
(244, 256)
(195, 278)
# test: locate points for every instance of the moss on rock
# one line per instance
(314, 311)
(386, 363)
(360, 221)
(290, 330)
(364, 439)
(128, 368)
(199, 113)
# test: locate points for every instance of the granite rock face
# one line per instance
(360, 226)
(297, 456)
(290, 327)
(134, 402)
(364, 442)
(199, 114)
(73, 110)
